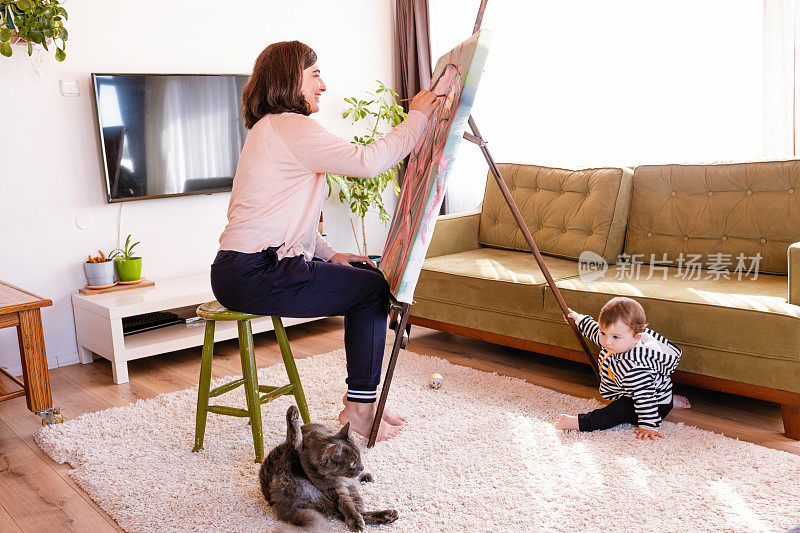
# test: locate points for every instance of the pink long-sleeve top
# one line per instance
(280, 182)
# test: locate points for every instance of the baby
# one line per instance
(635, 364)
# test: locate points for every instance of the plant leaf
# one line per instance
(60, 55)
(5, 49)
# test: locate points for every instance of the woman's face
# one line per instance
(312, 87)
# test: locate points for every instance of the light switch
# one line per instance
(69, 88)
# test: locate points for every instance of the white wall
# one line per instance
(50, 167)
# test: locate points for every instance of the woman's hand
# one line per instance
(346, 259)
(425, 102)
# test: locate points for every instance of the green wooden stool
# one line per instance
(213, 312)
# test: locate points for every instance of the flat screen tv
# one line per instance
(168, 134)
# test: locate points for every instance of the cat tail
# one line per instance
(305, 521)
(293, 434)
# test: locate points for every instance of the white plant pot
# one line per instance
(99, 274)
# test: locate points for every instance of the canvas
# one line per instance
(456, 75)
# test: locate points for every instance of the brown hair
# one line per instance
(274, 86)
(625, 310)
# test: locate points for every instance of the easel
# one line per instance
(402, 328)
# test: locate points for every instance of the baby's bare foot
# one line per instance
(567, 422)
(680, 402)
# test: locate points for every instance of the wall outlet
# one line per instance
(69, 88)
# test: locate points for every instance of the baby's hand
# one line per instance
(645, 434)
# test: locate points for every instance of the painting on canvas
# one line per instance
(456, 75)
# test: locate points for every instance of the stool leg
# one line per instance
(291, 368)
(204, 387)
(251, 385)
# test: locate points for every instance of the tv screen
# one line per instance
(169, 134)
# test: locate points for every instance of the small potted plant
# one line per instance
(32, 22)
(99, 271)
(129, 267)
(381, 113)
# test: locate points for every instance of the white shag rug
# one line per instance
(479, 454)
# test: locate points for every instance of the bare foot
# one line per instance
(393, 419)
(567, 422)
(360, 416)
(388, 416)
(680, 402)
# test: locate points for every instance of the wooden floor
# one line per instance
(36, 494)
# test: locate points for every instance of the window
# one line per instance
(581, 83)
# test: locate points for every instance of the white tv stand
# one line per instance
(98, 322)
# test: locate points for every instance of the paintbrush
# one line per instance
(407, 99)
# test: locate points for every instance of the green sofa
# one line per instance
(711, 252)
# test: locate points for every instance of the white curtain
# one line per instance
(781, 54)
(581, 83)
(192, 130)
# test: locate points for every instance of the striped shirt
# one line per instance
(641, 373)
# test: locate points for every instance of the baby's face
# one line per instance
(618, 337)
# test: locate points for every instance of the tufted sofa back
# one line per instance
(738, 209)
(566, 211)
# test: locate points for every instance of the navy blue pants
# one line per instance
(620, 411)
(261, 284)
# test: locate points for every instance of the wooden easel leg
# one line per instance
(387, 380)
(475, 137)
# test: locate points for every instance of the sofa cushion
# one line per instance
(491, 279)
(748, 316)
(567, 212)
(743, 208)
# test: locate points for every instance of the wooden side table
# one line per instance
(20, 308)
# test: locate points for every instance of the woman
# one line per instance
(272, 260)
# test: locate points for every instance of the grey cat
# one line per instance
(315, 474)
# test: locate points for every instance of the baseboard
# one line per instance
(53, 361)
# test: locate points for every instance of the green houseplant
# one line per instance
(33, 22)
(380, 112)
(129, 267)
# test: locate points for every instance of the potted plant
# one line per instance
(32, 22)
(129, 267)
(381, 113)
(99, 270)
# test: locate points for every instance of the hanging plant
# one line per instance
(32, 22)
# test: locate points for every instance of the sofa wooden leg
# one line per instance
(791, 420)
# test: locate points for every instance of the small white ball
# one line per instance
(435, 381)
